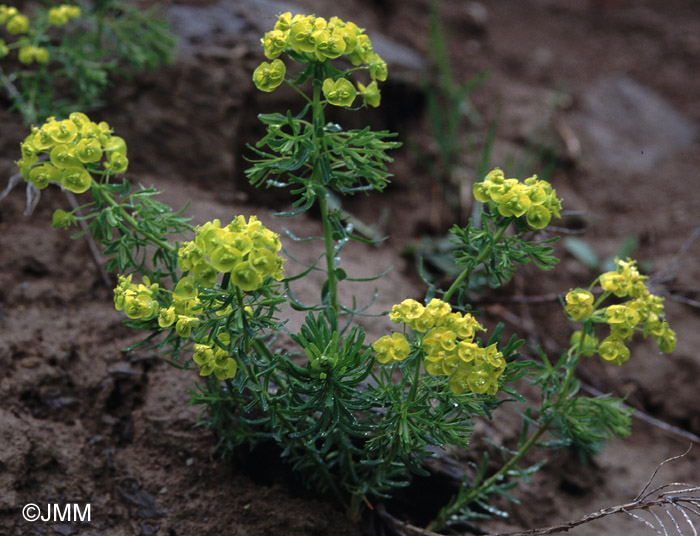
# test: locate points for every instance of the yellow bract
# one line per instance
(75, 147)
(391, 348)
(370, 94)
(532, 198)
(267, 76)
(58, 16)
(579, 304)
(340, 92)
(308, 38)
(248, 251)
(448, 346)
(29, 54)
(642, 311)
(216, 360)
(137, 301)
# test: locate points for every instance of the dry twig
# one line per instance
(678, 501)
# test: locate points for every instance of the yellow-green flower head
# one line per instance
(515, 202)
(204, 273)
(115, 144)
(123, 284)
(185, 289)
(621, 315)
(268, 76)
(42, 175)
(188, 256)
(4, 50)
(480, 374)
(88, 150)
(349, 32)
(248, 251)
(666, 341)
(440, 362)
(587, 344)
(339, 93)
(118, 163)
(377, 68)
(166, 317)
(63, 156)
(58, 16)
(579, 304)
(465, 327)
(301, 35)
(214, 360)
(329, 44)
(17, 24)
(439, 338)
(408, 311)
(61, 131)
(184, 325)
(532, 198)
(439, 310)
(467, 351)
(137, 301)
(614, 351)
(284, 22)
(274, 42)
(370, 94)
(62, 219)
(265, 262)
(29, 54)
(625, 280)
(245, 277)
(72, 144)
(76, 179)
(391, 348)
(538, 217)
(6, 12)
(362, 51)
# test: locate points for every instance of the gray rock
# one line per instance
(198, 28)
(627, 127)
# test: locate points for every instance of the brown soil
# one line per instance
(82, 422)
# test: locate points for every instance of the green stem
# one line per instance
(480, 258)
(317, 126)
(132, 221)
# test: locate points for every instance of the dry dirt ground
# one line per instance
(82, 422)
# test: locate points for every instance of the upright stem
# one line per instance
(317, 125)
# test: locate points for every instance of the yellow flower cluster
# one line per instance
(392, 347)
(137, 301)
(214, 359)
(315, 39)
(75, 147)
(579, 304)
(641, 311)
(60, 15)
(247, 251)
(29, 54)
(15, 23)
(448, 346)
(184, 310)
(532, 198)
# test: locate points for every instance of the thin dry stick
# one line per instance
(99, 261)
(685, 500)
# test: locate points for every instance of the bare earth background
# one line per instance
(610, 87)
